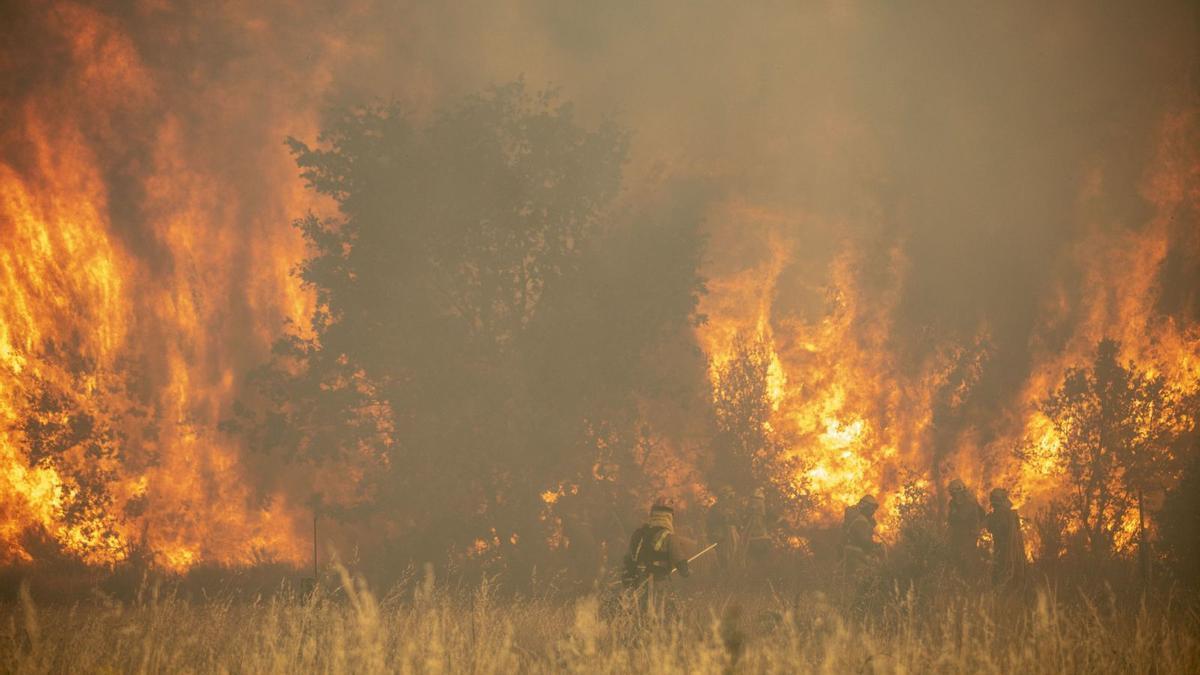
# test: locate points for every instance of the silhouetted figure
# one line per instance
(860, 551)
(964, 523)
(721, 526)
(655, 553)
(1008, 544)
(754, 528)
(862, 556)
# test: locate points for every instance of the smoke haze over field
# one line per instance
(922, 215)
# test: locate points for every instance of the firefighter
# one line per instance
(655, 553)
(859, 548)
(721, 526)
(1008, 544)
(862, 556)
(964, 523)
(754, 530)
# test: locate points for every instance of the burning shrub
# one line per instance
(748, 452)
(1115, 423)
(919, 557)
(1051, 529)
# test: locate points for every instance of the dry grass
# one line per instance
(427, 629)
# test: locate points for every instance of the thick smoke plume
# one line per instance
(911, 223)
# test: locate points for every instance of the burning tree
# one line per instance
(742, 405)
(482, 314)
(748, 450)
(1115, 424)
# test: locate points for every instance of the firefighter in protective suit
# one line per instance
(755, 535)
(1008, 544)
(655, 553)
(964, 522)
(860, 552)
(722, 528)
(862, 556)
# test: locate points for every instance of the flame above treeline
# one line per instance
(145, 266)
(145, 207)
(864, 422)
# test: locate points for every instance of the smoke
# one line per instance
(932, 210)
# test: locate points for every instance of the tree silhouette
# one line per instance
(748, 451)
(742, 404)
(1115, 424)
(484, 309)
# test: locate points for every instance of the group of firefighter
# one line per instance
(738, 536)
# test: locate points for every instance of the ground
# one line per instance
(424, 627)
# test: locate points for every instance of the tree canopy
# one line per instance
(489, 317)
(1116, 424)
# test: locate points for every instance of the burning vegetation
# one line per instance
(484, 324)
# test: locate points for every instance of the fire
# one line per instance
(146, 264)
(1121, 306)
(836, 405)
(841, 467)
(861, 423)
(1040, 471)
(122, 334)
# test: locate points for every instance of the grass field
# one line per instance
(423, 628)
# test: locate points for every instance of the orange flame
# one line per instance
(143, 277)
(862, 424)
(124, 314)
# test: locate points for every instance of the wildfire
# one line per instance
(861, 423)
(122, 332)
(146, 265)
(834, 405)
